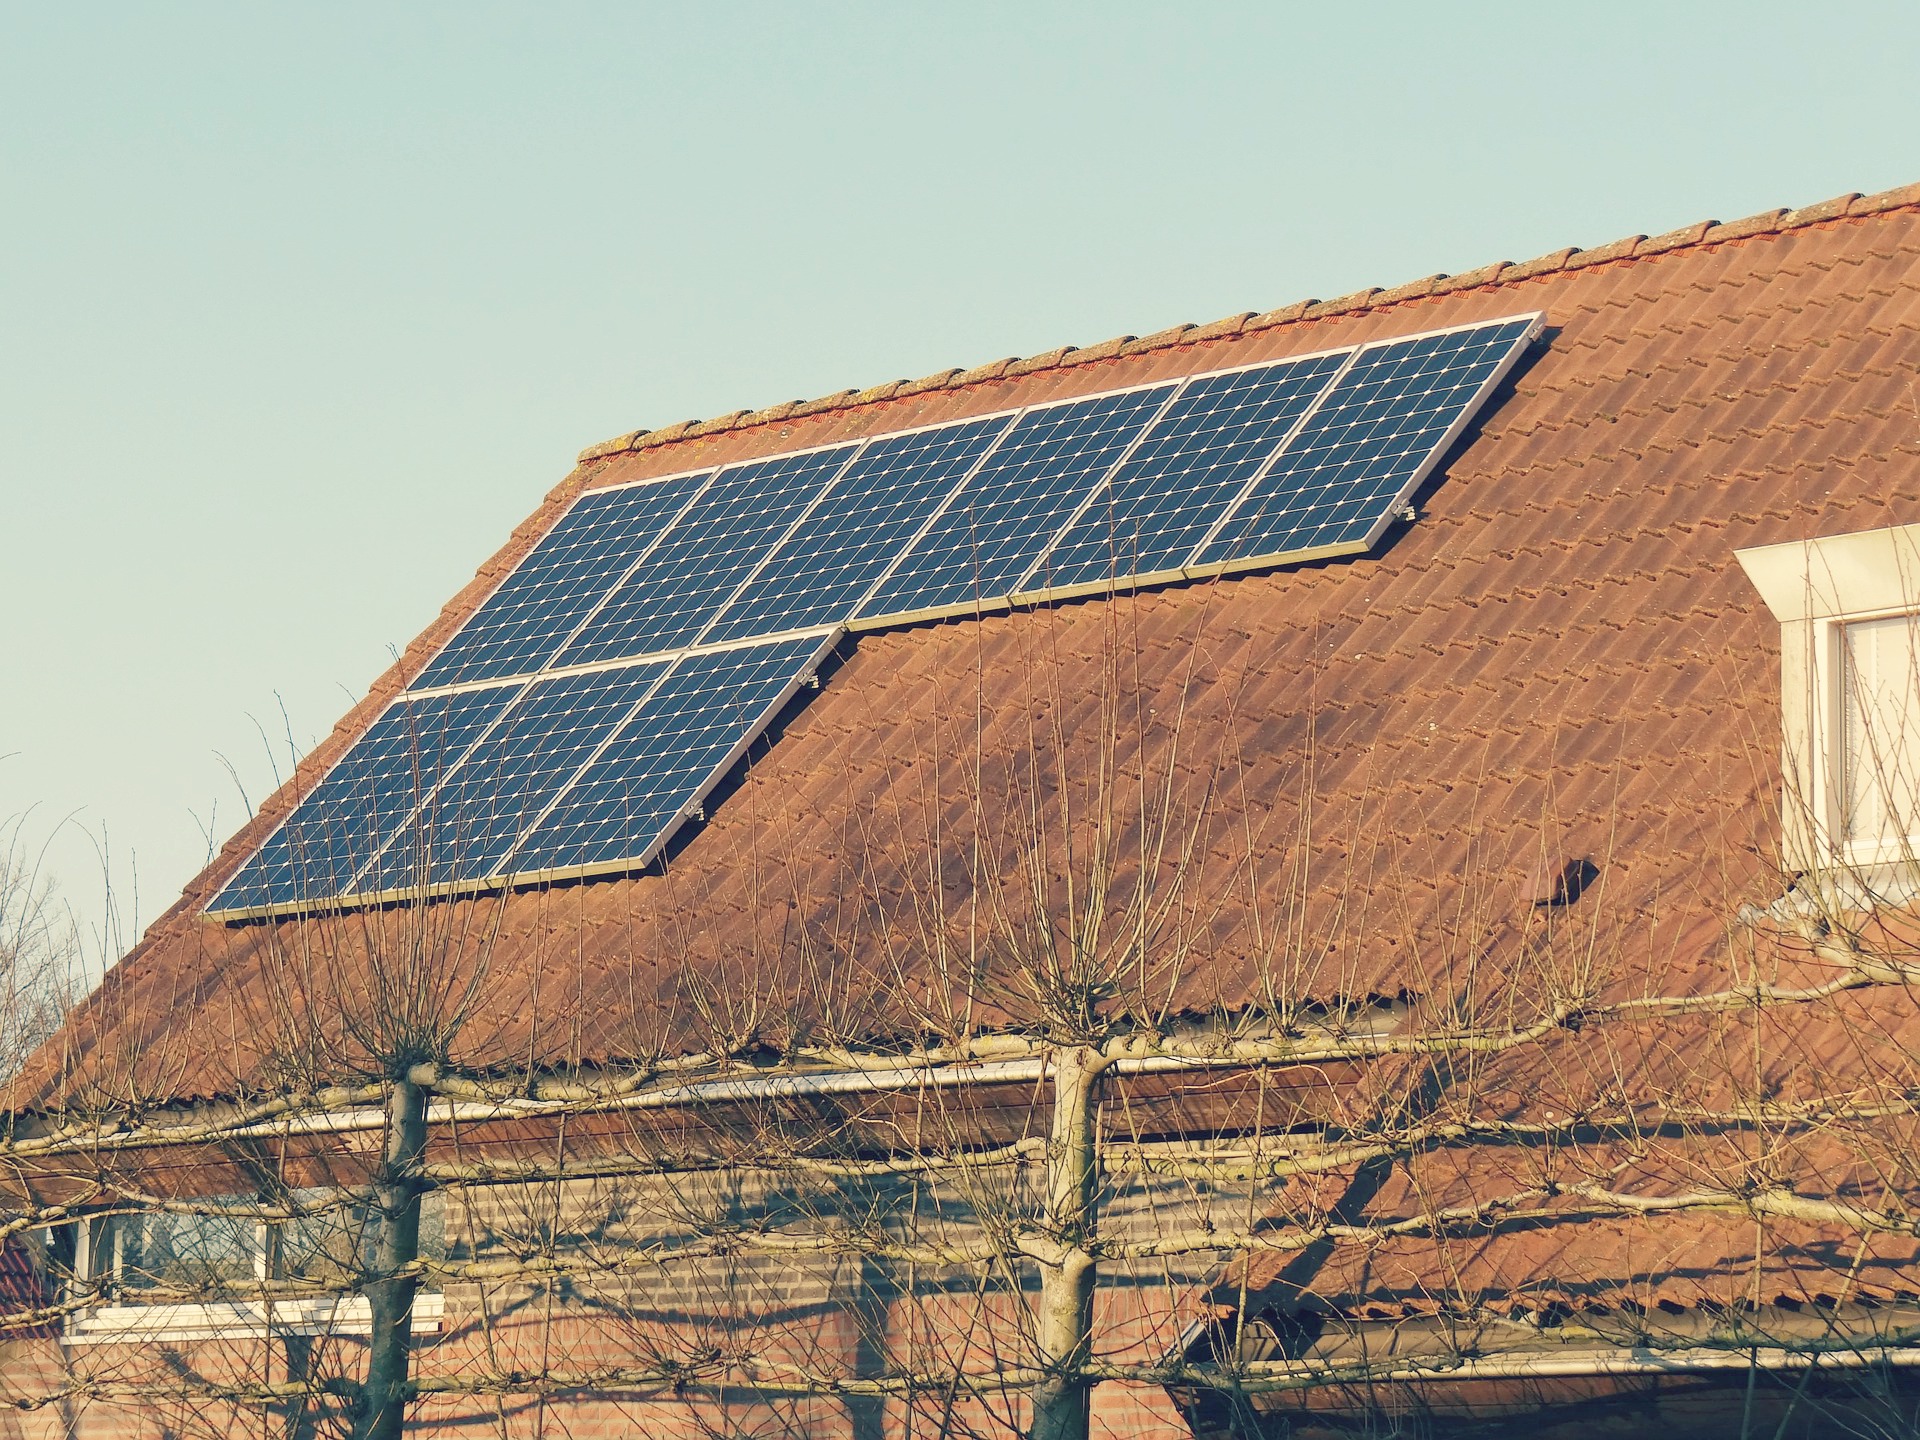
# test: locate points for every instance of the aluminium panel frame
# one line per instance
(639, 559)
(1537, 322)
(976, 607)
(516, 880)
(519, 684)
(1192, 571)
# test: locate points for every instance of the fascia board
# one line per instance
(1834, 575)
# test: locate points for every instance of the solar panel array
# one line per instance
(582, 713)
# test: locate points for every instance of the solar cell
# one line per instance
(1369, 443)
(591, 769)
(624, 806)
(672, 594)
(469, 824)
(1166, 496)
(551, 591)
(1016, 502)
(342, 823)
(820, 572)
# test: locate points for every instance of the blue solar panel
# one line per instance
(1016, 503)
(880, 504)
(1370, 442)
(666, 756)
(674, 592)
(339, 827)
(552, 590)
(591, 770)
(480, 810)
(1167, 495)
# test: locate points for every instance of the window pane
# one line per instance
(1880, 730)
(185, 1252)
(215, 1255)
(336, 1245)
(333, 1246)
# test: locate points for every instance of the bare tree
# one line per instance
(39, 950)
(1061, 1091)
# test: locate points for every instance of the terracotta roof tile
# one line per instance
(1554, 644)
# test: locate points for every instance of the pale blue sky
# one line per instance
(302, 308)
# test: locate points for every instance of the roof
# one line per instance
(1371, 764)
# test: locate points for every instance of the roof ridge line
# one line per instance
(1631, 247)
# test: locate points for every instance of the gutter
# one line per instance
(1282, 1377)
(1637, 1361)
(1026, 1070)
(1591, 1363)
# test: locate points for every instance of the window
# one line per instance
(180, 1255)
(1878, 737)
(335, 1243)
(1849, 613)
(164, 1275)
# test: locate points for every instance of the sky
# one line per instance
(304, 307)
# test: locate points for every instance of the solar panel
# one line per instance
(665, 758)
(1374, 438)
(468, 825)
(660, 625)
(551, 591)
(885, 498)
(343, 821)
(1012, 507)
(1167, 495)
(694, 570)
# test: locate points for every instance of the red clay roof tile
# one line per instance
(1560, 652)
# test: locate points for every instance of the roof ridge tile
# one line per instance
(1541, 265)
(1683, 238)
(1159, 340)
(1884, 200)
(992, 370)
(1342, 304)
(840, 399)
(1412, 290)
(873, 393)
(1627, 248)
(1767, 222)
(1621, 249)
(1474, 279)
(1286, 314)
(1105, 350)
(1046, 360)
(939, 380)
(1221, 328)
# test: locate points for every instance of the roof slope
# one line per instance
(1368, 762)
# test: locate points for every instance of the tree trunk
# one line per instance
(383, 1403)
(1067, 1280)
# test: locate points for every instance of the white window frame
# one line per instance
(241, 1319)
(1815, 589)
(135, 1321)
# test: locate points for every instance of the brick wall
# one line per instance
(619, 1291)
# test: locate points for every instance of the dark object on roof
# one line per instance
(1566, 882)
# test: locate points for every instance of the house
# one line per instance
(1457, 978)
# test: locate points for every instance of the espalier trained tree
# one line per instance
(975, 1153)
